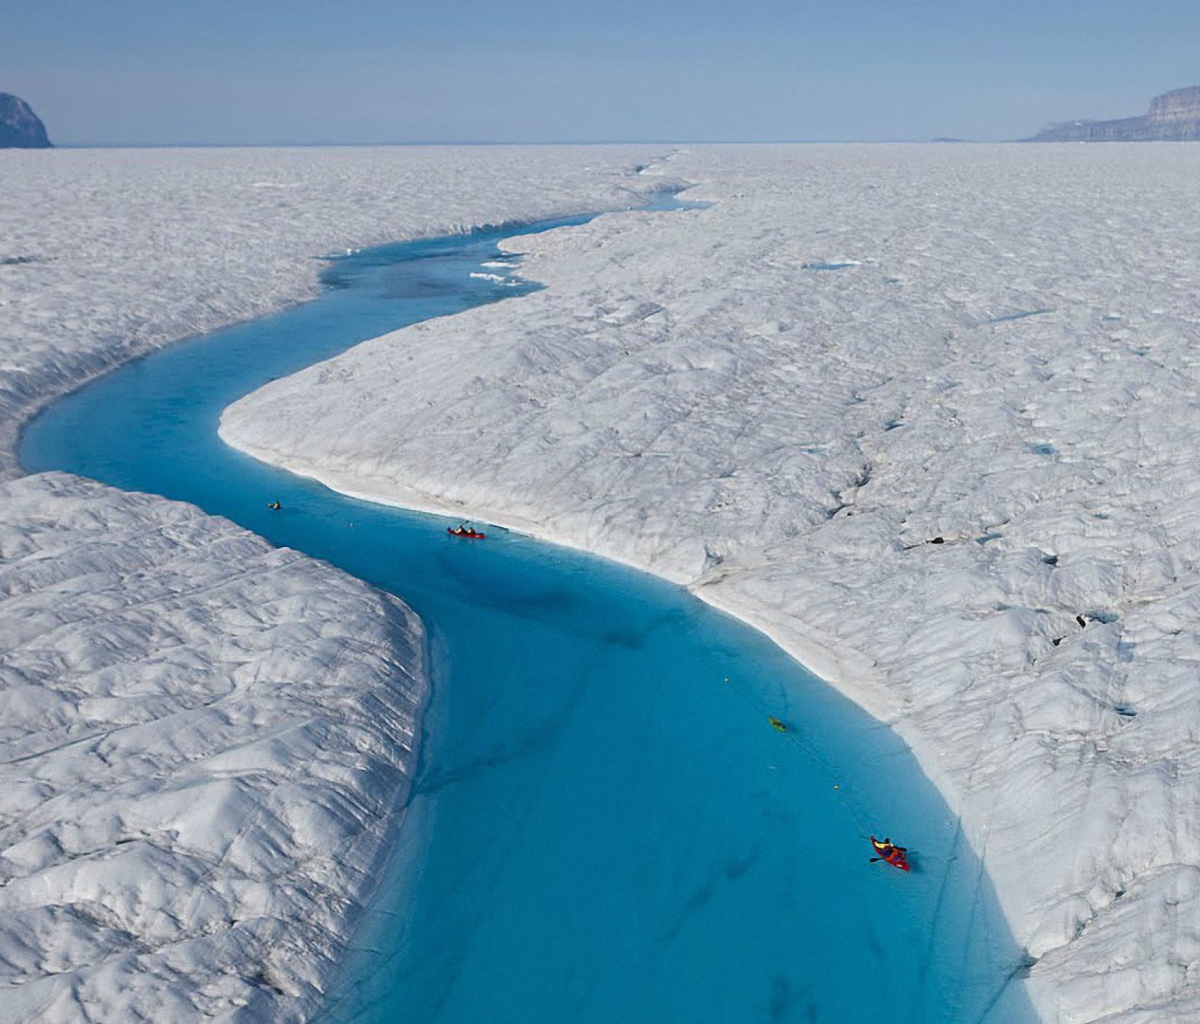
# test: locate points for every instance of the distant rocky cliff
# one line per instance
(19, 126)
(1173, 117)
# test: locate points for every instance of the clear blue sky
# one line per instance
(152, 72)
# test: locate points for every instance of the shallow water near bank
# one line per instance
(605, 826)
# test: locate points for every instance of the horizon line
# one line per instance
(500, 142)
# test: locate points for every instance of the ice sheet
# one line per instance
(203, 737)
(955, 476)
(105, 255)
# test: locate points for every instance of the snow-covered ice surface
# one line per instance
(201, 736)
(202, 743)
(925, 414)
(107, 254)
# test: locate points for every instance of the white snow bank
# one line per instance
(105, 255)
(202, 743)
(983, 525)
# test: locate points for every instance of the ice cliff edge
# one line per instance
(20, 127)
(1173, 117)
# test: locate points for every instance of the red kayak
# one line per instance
(469, 532)
(891, 854)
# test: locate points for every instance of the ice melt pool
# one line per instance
(605, 826)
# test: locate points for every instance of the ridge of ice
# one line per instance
(846, 460)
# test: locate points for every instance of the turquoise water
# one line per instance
(604, 827)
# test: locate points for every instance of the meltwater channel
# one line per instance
(605, 826)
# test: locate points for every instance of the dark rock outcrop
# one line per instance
(20, 127)
(1173, 117)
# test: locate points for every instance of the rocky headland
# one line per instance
(20, 127)
(1173, 117)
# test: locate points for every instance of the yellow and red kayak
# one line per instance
(890, 853)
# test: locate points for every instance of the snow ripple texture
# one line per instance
(925, 414)
(199, 759)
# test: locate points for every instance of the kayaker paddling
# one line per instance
(890, 853)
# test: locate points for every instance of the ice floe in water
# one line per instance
(496, 278)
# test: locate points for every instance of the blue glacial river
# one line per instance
(605, 828)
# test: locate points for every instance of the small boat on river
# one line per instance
(890, 853)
